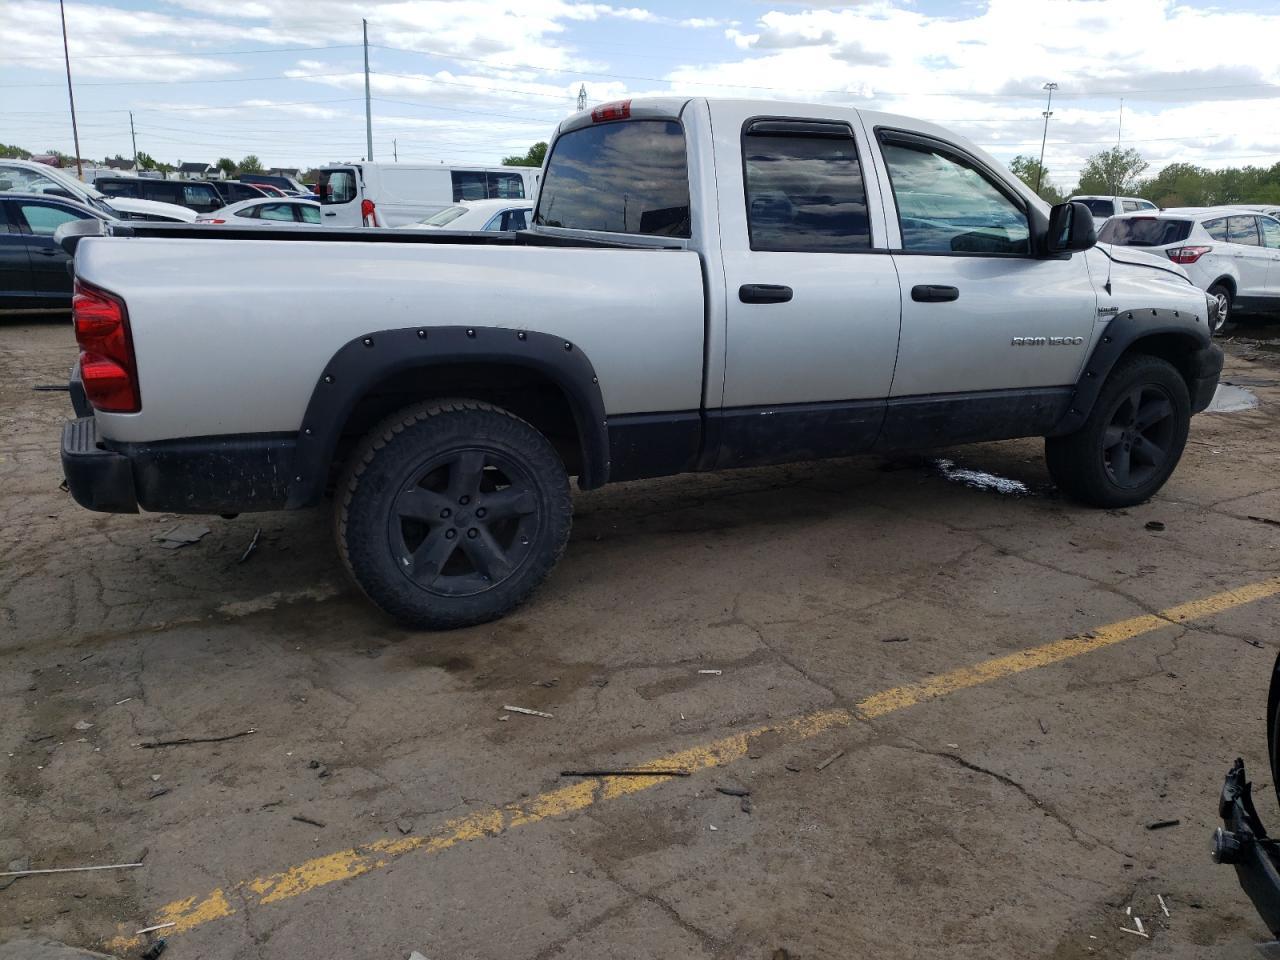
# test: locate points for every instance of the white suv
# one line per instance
(1103, 208)
(1233, 254)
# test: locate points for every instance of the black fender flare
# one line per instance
(366, 360)
(1124, 330)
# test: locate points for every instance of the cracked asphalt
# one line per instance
(1004, 820)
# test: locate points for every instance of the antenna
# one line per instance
(582, 98)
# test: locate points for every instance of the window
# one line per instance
(1130, 206)
(1098, 207)
(308, 214)
(1147, 205)
(118, 189)
(947, 206)
(506, 186)
(469, 185)
(1217, 228)
(1270, 232)
(479, 185)
(276, 211)
(629, 177)
(162, 191)
(200, 197)
(336, 186)
(21, 180)
(43, 220)
(1242, 230)
(804, 187)
(444, 217)
(1144, 231)
(519, 220)
(250, 213)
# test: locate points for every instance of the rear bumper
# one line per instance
(98, 478)
(1242, 841)
(1206, 368)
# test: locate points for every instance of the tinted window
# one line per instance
(519, 220)
(276, 211)
(163, 192)
(1144, 231)
(1242, 230)
(506, 186)
(469, 185)
(1217, 228)
(1270, 232)
(117, 188)
(629, 177)
(805, 193)
(43, 220)
(250, 213)
(1099, 208)
(336, 186)
(1131, 206)
(200, 197)
(308, 214)
(945, 205)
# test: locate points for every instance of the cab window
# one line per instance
(336, 186)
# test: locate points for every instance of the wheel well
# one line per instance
(1227, 282)
(528, 394)
(1178, 349)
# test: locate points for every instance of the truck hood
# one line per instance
(1141, 258)
(152, 208)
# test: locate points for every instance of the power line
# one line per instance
(193, 53)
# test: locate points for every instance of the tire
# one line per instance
(1218, 322)
(450, 513)
(1132, 439)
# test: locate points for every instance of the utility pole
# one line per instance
(1115, 184)
(134, 137)
(1048, 112)
(582, 98)
(66, 53)
(368, 113)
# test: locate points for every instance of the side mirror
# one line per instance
(1070, 228)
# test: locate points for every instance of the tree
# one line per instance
(226, 165)
(14, 152)
(533, 156)
(1112, 172)
(1030, 171)
(250, 164)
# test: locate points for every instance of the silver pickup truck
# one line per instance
(708, 284)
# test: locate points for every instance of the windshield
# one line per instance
(1144, 232)
(447, 215)
(1099, 208)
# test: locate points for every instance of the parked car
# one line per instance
(272, 191)
(26, 176)
(1232, 254)
(700, 290)
(1270, 209)
(33, 268)
(266, 212)
(198, 195)
(478, 215)
(1242, 840)
(233, 191)
(286, 185)
(390, 194)
(1104, 208)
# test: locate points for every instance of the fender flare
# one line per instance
(1125, 329)
(366, 360)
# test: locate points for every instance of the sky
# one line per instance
(470, 81)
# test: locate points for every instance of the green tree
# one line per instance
(226, 165)
(250, 164)
(533, 157)
(1031, 171)
(14, 152)
(1112, 171)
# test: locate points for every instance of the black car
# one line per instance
(33, 269)
(198, 195)
(1242, 840)
(233, 191)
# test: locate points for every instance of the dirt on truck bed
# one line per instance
(927, 709)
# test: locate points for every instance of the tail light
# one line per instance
(214, 220)
(1188, 254)
(619, 110)
(107, 365)
(367, 209)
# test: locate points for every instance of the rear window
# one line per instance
(1217, 228)
(1098, 207)
(118, 189)
(442, 217)
(336, 186)
(1144, 232)
(629, 177)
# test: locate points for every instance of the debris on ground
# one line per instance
(545, 683)
(1155, 525)
(745, 805)
(1163, 906)
(301, 819)
(158, 926)
(734, 791)
(253, 545)
(416, 956)
(624, 773)
(83, 725)
(180, 536)
(527, 712)
(713, 826)
(105, 866)
(894, 639)
(18, 866)
(1044, 727)
(182, 741)
(830, 760)
(792, 767)
(404, 826)
(1161, 824)
(157, 948)
(710, 673)
(1268, 520)
(158, 792)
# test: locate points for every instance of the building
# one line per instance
(197, 171)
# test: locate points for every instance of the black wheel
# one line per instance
(1132, 439)
(1221, 293)
(450, 513)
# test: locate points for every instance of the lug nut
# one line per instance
(473, 533)
(450, 534)
(446, 513)
(481, 512)
(464, 500)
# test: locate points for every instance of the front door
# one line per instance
(16, 289)
(1251, 257)
(813, 299)
(49, 274)
(993, 338)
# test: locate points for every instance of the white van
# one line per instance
(391, 194)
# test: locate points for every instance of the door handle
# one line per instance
(934, 293)
(764, 293)
(329, 213)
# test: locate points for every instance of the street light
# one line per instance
(1045, 136)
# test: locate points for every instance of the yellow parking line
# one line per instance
(187, 915)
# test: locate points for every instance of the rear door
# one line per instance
(1251, 258)
(17, 292)
(1271, 244)
(993, 338)
(813, 301)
